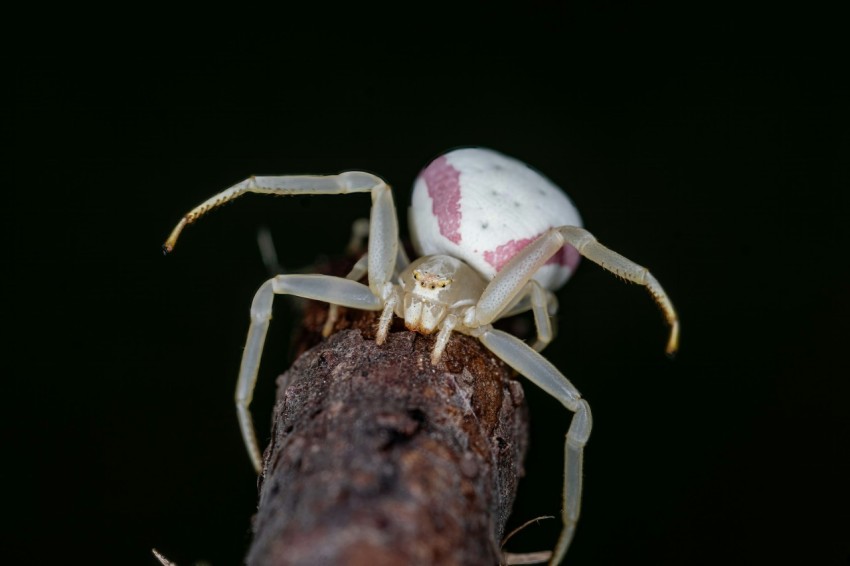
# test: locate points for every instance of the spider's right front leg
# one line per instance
(329, 289)
(383, 224)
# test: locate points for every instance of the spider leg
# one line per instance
(542, 373)
(449, 324)
(268, 252)
(359, 236)
(326, 288)
(359, 233)
(610, 260)
(383, 224)
(359, 270)
(543, 304)
(522, 303)
(507, 289)
(511, 280)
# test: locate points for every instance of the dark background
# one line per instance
(709, 146)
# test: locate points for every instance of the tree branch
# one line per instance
(379, 458)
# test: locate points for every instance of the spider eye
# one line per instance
(416, 275)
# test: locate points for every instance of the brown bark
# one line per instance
(379, 458)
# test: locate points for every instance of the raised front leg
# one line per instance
(542, 373)
(335, 290)
(383, 225)
(505, 286)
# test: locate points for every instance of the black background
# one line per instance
(711, 146)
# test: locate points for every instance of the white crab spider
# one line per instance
(496, 238)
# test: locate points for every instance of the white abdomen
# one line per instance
(483, 207)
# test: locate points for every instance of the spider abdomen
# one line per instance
(483, 207)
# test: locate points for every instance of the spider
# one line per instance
(495, 237)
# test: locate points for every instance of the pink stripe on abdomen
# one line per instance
(567, 256)
(443, 183)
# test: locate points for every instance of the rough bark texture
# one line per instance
(379, 458)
